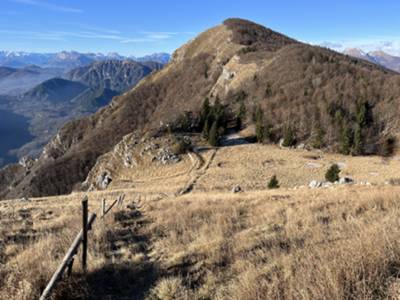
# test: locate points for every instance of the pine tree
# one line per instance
(273, 183)
(318, 141)
(345, 142)
(205, 110)
(240, 116)
(289, 138)
(357, 148)
(213, 135)
(206, 130)
(260, 129)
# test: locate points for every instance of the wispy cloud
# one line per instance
(50, 6)
(90, 32)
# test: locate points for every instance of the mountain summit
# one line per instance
(308, 90)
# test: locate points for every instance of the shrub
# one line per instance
(387, 147)
(273, 183)
(318, 141)
(332, 174)
(241, 116)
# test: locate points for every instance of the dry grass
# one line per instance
(338, 243)
(308, 245)
(251, 167)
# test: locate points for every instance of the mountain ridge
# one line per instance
(298, 86)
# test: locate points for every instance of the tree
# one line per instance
(332, 174)
(205, 110)
(241, 115)
(273, 183)
(213, 134)
(206, 130)
(318, 141)
(289, 138)
(357, 148)
(260, 129)
(345, 141)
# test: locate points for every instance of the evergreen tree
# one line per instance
(213, 135)
(332, 174)
(345, 142)
(357, 148)
(289, 138)
(260, 129)
(273, 183)
(205, 110)
(206, 130)
(241, 116)
(318, 141)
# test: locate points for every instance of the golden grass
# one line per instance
(338, 243)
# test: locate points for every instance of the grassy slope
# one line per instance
(280, 244)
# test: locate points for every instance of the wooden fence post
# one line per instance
(84, 231)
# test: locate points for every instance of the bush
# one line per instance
(273, 183)
(332, 174)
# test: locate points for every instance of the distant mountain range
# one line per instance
(377, 57)
(69, 59)
(48, 102)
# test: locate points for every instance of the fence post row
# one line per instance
(82, 237)
(85, 230)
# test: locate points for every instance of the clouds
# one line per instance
(94, 33)
(49, 6)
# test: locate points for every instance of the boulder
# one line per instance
(104, 180)
(345, 180)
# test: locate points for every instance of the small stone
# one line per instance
(315, 184)
(236, 189)
(345, 180)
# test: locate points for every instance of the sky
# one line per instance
(133, 27)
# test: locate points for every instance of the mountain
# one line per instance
(162, 58)
(116, 75)
(378, 57)
(307, 93)
(68, 60)
(55, 101)
(56, 90)
(14, 81)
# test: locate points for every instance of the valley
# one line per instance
(250, 165)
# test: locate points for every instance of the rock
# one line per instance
(315, 184)
(26, 162)
(301, 146)
(166, 156)
(25, 199)
(236, 189)
(327, 184)
(281, 143)
(129, 161)
(104, 180)
(341, 165)
(345, 180)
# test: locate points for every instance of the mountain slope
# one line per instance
(298, 86)
(56, 90)
(115, 75)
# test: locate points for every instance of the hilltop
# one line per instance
(307, 90)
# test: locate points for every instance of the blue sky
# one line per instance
(142, 27)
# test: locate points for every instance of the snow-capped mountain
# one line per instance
(377, 57)
(68, 59)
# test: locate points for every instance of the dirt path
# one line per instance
(197, 174)
(129, 272)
